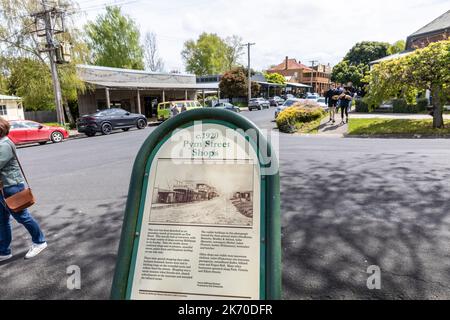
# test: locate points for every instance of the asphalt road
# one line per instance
(346, 204)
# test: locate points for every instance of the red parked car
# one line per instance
(24, 131)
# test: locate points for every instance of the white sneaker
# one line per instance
(35, 250)
(4, 258)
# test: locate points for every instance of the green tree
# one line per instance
(26, 66)
(233, 51)
(397, 47)
(114, 40)
(355, 65)
(30, 79)
(275, 78)
(234, 83)
(207, 55)
(344, 72)
(425, 69)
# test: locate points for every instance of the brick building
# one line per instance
(436, 30)
(318, 77)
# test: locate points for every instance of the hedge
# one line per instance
(290, 119)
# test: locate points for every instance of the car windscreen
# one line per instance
(103, 113)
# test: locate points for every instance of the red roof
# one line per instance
(292, 65)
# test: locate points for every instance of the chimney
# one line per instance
(287, 63)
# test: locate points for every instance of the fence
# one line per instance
(41, 116)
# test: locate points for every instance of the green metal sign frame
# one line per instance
(270, 267)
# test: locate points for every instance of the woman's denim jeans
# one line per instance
(22, 217)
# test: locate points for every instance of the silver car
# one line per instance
(288, 103)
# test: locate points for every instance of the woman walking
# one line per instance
(345, 103)
(12, 182)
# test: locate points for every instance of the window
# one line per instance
(18, 125)
(32, 125)
(3, 111)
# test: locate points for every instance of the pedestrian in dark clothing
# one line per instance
(331, 99)
(345, 100)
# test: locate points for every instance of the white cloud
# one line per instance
(321, 30)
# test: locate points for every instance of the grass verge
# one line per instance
(383, 126)
(309, 127)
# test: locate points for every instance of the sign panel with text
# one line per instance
(202, 218)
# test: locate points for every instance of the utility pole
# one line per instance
(47, 22)
(249, 70)
(313, 62)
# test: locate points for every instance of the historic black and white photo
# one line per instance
(203, 193)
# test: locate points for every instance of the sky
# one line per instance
(321, 30)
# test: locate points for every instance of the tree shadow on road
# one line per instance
(90, 242)
(340, 218)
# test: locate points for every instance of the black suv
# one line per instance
(105, 121)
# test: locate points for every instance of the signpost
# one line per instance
(202, 219)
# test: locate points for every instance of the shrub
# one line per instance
(361, 105)
(290, 119)
(399, 106)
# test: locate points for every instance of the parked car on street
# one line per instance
(321, 103)
(25, 132)
(105, 121)
(288, 103)
(276, 101)
(258, 104)
(164, 108)
(227, 106)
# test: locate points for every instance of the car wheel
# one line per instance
(90, 133)
(126, 129)
(106, 128)
(141, 124)
(57, 137)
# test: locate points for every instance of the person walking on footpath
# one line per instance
(344, 102)
(12, 181)
(331, 99)
(174, 110)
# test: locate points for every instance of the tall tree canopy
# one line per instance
(206, 55)
(355, 64)
(114, 40)
(275, 78)
(367, 51)
(233, 52)
(425, 69)
(25, 67)
(152, 60)
(234, 83)
(211, 54)
(397, 47)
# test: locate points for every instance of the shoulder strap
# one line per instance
(13, 148)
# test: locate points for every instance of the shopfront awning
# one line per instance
(156, 86)
(297, 85)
